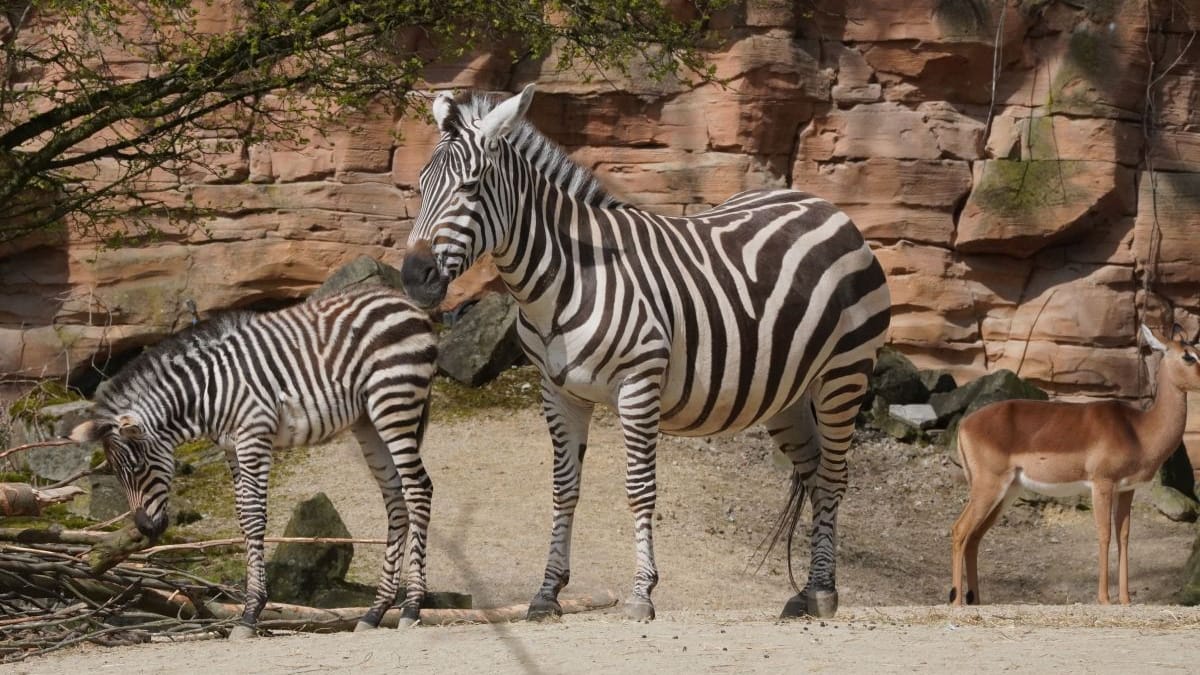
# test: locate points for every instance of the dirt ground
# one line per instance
(717, 500)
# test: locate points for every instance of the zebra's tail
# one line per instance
(786, 522)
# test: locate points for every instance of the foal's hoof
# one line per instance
(542, 608)
(638, 609)
(364, 626)
(242, 632)
(821, 604)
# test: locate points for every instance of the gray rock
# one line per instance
(56, 421)
(362, 271)
(919, 415)
(297, 573)
(895, 427)
(1174, 504)
(937, 381)
(483, 343)
(896, 379)
(107, 499)
(998, 386)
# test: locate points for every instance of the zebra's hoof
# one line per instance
(242, 632)
(638, 609)
(364, 626)
(823, 604)
(407, 622)
(542, 608)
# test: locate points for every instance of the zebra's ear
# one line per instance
(505, 117)
(444, 112)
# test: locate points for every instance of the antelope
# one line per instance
(1058, 449)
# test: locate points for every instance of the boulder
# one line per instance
(107, 500)
(362, 271)
(937, 381)
(297, 573)
(998, 386)
(55, 421)
(896, 379)
(919, 415)
(483, 343)
(1190, 593)
(1174, 504)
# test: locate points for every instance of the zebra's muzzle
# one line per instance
(423, 281)
(151, 527)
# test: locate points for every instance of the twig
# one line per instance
(39, 444)
(212, 543)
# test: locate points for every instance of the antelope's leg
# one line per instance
(988, 498)
(1121, 522)
(1102, 509)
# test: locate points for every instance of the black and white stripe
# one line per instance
(360, 359)
(768, 308)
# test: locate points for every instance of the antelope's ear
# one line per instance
(1153, 341)
(444, 112)
(1177, 333)
(129, 427)
(507, 116)
(88, 432)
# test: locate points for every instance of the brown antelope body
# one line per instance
(1059, 449)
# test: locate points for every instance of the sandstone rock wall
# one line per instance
(1017, 216)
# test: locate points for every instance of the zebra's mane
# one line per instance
(544, 154)
(146, 368)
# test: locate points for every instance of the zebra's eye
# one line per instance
(469, 185)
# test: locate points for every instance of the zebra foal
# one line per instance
(362, 359)
(767, 308)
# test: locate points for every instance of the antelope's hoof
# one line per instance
(638, 609)
(364, 626)
(542, 608)
(242, 632)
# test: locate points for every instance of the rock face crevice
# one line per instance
(1017, 219)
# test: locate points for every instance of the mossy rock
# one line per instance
(1023, 187)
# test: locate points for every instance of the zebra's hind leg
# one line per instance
(795, 432)
(379, 460)
(568, 423)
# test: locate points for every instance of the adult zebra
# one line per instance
(362, 359)
(768, 308)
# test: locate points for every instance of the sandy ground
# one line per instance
(717, 500)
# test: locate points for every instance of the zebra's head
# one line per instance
(465, 206)
(143, 462)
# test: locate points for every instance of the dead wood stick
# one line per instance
(198, 545)
(35, 535)
(39, 444)
(297, 617)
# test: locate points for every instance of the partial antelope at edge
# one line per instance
(1058, 449)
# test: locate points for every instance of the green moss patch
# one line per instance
(48, 392)
(1020, 188)
(515, 389)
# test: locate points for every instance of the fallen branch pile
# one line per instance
(53, 594)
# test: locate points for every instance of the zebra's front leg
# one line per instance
(253, 459)
(568, 423)
(639, 408)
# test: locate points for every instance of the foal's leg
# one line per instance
(253, 459)
(379, 460)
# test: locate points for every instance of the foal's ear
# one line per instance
(505, 117)
(87, 432)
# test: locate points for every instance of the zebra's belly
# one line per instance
(303, 420)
